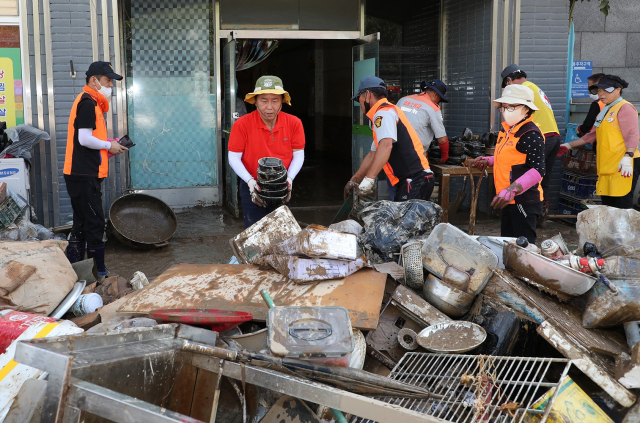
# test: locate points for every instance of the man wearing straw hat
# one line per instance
(265, 132)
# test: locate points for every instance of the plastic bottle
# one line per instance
(581, 264)
(550, 249)
(524, 243)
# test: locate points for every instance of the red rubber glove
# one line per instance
(444, 152)
(564, 149)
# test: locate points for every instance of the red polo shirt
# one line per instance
(251, 137)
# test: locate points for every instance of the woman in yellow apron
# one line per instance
(617, 156)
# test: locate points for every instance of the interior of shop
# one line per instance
(318, 74)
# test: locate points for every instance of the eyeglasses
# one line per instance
(508, 108)
(594, 90)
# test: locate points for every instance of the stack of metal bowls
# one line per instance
(272, 180)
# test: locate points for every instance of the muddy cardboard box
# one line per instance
(318, 242)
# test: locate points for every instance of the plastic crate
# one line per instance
(579, 186)
(580, 160)
(569, 205)
(9, 211)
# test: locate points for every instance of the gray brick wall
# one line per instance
(612, 42)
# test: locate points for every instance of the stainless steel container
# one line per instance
(449, 300)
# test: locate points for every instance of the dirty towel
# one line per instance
(389, 225)
(303, 270)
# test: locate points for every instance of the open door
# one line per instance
(229, 116)
(365, 63)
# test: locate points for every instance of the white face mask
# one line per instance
(105, 91)
(594, 97)
(511, 118)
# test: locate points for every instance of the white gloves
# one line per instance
(290, 185)
(366, 187)
(254, 189)
(626, 166)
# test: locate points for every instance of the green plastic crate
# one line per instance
(9, 210)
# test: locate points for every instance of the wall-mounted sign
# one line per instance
(582, 70)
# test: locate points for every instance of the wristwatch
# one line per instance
(629, 153)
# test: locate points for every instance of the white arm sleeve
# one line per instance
(296, 163)
(235, 160)
(86, 139)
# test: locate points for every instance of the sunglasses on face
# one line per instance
(594, 90)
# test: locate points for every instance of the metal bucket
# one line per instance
(449, 300)
(142, 221)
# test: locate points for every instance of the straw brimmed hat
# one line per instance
(268, 84)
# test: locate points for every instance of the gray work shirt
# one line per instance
(385, 126)
(425, 120)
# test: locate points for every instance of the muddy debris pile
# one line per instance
(389, 317)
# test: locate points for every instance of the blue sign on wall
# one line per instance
(582, 70)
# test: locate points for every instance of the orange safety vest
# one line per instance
(508, 163)
(407, 155)
(83, 161)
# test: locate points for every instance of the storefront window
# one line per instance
(171, 93)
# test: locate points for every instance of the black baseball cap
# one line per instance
(606, 84)
(103, 68)
(513, 68)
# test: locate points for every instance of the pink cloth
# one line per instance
(628, 119)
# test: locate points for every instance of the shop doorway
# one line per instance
(319, 75)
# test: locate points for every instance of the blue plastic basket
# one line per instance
(578, 185)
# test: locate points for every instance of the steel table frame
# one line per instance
(67, 396)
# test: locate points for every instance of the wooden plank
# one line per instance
(453, 170)
(183, 388)
(237, 287)
(203, 395)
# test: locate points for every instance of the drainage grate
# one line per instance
(479, 388)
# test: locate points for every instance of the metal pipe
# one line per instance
(26, 70)
(53, 145)
(443, 43)
(37, 58)
(516, 30)
(94, 30)
(217, 72)
(505, 33)
(494, 64)
(118, 38)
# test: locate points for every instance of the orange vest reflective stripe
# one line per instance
(424, 98)
(407, 155)
(507, 165)
(101, 107)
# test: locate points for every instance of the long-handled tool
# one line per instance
(475, 191)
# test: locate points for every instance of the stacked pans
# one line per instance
(272, 180)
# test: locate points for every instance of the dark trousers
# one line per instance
(417, 187)
(520, 220)
(88, 215)
(551, 147)
(626, 201)
(251, 212)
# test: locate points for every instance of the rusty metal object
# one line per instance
(142, 221)
(475, 190)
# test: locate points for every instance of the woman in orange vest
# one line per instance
(617, 156)
(518, 164)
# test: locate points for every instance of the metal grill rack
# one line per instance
(480, 388)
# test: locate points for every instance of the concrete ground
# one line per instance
(203, 237)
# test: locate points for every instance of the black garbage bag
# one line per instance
(389, 225)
